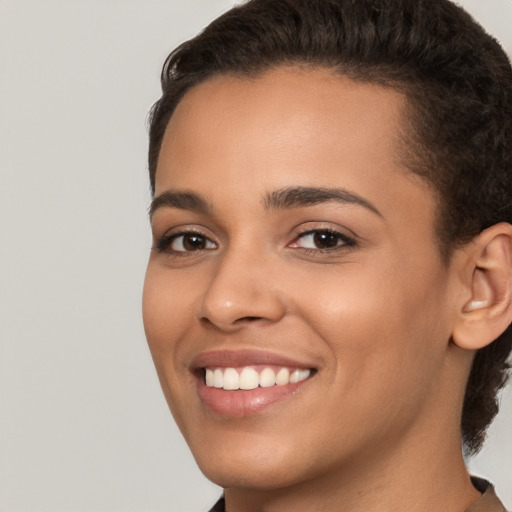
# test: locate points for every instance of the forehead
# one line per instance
(288, 126)
(289, 107)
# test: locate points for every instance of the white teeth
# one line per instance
(231, 379)
(294, 376)
(304, 374)
(218, 378)
(299, 375)
(283, 377)
(249, 378)
(267, 378)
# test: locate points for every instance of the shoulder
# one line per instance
(488, 502)
(220, 506)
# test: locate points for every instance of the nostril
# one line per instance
(230, 324)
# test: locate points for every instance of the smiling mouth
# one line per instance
(244, 383)
(250, 377)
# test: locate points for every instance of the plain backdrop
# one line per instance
(83, 424)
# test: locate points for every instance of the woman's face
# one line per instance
(290, 242)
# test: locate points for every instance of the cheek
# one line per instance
(382, 324)
(383, 362)
(167, 306)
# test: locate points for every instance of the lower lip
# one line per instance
(240, 403)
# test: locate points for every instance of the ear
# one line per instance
(486, 309)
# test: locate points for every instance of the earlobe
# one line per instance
(487, 312)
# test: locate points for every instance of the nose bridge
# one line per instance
(242, 289)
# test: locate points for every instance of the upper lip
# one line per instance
(237, 358)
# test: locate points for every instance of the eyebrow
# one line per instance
(282, 199)
(296, 197)
(180, 200)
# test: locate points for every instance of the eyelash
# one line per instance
(165, 242)
(342, 242)
(346, 241)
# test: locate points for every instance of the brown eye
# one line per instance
(189, 242)
(323, 239)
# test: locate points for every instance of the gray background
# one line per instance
(83, 425)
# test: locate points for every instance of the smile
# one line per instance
(247, 378)
(246, 383)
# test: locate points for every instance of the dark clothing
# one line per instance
(220, 506)
(488, 502)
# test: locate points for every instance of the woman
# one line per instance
(328, 297)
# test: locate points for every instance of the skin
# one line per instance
(374, 317)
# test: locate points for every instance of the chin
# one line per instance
(248, 475)
(264, 468)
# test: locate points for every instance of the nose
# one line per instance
(243, 290)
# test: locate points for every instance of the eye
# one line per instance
(322, 240)
(185, 242)
(191, 242)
